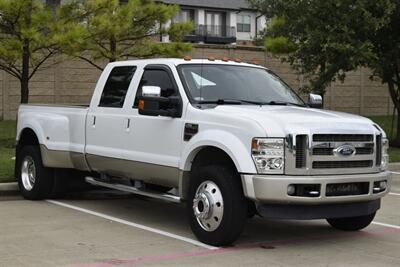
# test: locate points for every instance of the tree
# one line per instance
(26, 39)
(326, 39)
(113, 31)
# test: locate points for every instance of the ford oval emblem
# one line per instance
(345, 151)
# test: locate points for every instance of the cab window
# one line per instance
(156, 77)
(116, 87)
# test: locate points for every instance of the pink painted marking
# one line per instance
(182, 255)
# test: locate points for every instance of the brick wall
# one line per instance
(72, 82)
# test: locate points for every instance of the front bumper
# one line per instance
(273, 188)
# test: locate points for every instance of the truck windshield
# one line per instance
(229, 84)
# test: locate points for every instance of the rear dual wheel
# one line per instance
(36, 181)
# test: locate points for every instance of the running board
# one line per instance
(134, 190)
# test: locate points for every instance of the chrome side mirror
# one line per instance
(154, 91)
(315, 101)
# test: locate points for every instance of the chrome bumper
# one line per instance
(273, 188)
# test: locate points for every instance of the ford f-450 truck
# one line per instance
(229, 139)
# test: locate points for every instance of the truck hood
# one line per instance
(279, 121)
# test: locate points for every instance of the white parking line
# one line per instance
(386, 225)
(394, 194)
(136, 225)
(396, 172)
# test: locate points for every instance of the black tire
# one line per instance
(61, 183)
(235, 205)
(352, 223)
(43, 180)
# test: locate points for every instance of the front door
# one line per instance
(154, 142)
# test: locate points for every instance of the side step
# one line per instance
(134, 190)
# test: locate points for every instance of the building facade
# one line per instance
(219, 21)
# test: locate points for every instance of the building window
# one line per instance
(184, 15)
(243, 23)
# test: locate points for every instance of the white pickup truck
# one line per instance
(228, 138)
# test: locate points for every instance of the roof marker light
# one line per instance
(211, 58)
(238, 60)
(187, 58)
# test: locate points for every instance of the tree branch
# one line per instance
(91, 62)
(40, 63)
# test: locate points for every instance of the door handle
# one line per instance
(128, 125)
(94, 122)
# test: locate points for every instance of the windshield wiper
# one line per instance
(283, 103)
(231, 102)
(221, 102)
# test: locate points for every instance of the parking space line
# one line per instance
(396, 172)
(132, 224)
(394, 194)
(387, 225)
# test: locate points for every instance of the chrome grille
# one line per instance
(378, 150)
(342, 164)
(301, 150)
(326, 151)
(320, 154)
(343, 138)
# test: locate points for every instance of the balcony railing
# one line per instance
(212, 34)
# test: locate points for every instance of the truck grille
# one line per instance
(343, 138)
(320, 154)
(342, 164)
(301, 150)
(323, 151)
(378, 150)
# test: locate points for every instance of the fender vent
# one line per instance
(301, 151)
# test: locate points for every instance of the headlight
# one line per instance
(268, 155)
(385, 154)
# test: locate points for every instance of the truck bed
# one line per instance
(58, 127)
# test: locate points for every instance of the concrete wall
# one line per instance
(72, 81)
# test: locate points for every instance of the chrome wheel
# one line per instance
(208, 206)
(28, 173)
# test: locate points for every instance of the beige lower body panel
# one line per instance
(147, 172)
(63, 159)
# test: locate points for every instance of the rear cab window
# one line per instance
(116, 86)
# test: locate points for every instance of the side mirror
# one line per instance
(151, 103)
(151, 91)
(315, 101)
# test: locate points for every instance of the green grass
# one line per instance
(8, 129)
(7, 151)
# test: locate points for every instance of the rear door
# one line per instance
(107, 123)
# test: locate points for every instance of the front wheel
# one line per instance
(217, 208)
(352, 223)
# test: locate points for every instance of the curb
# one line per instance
(9, 189)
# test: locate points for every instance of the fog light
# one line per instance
(291, 189)
(382, 185)
(379, 186)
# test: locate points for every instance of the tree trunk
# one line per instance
(25, 73)
(113, 49)
(394, 93)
